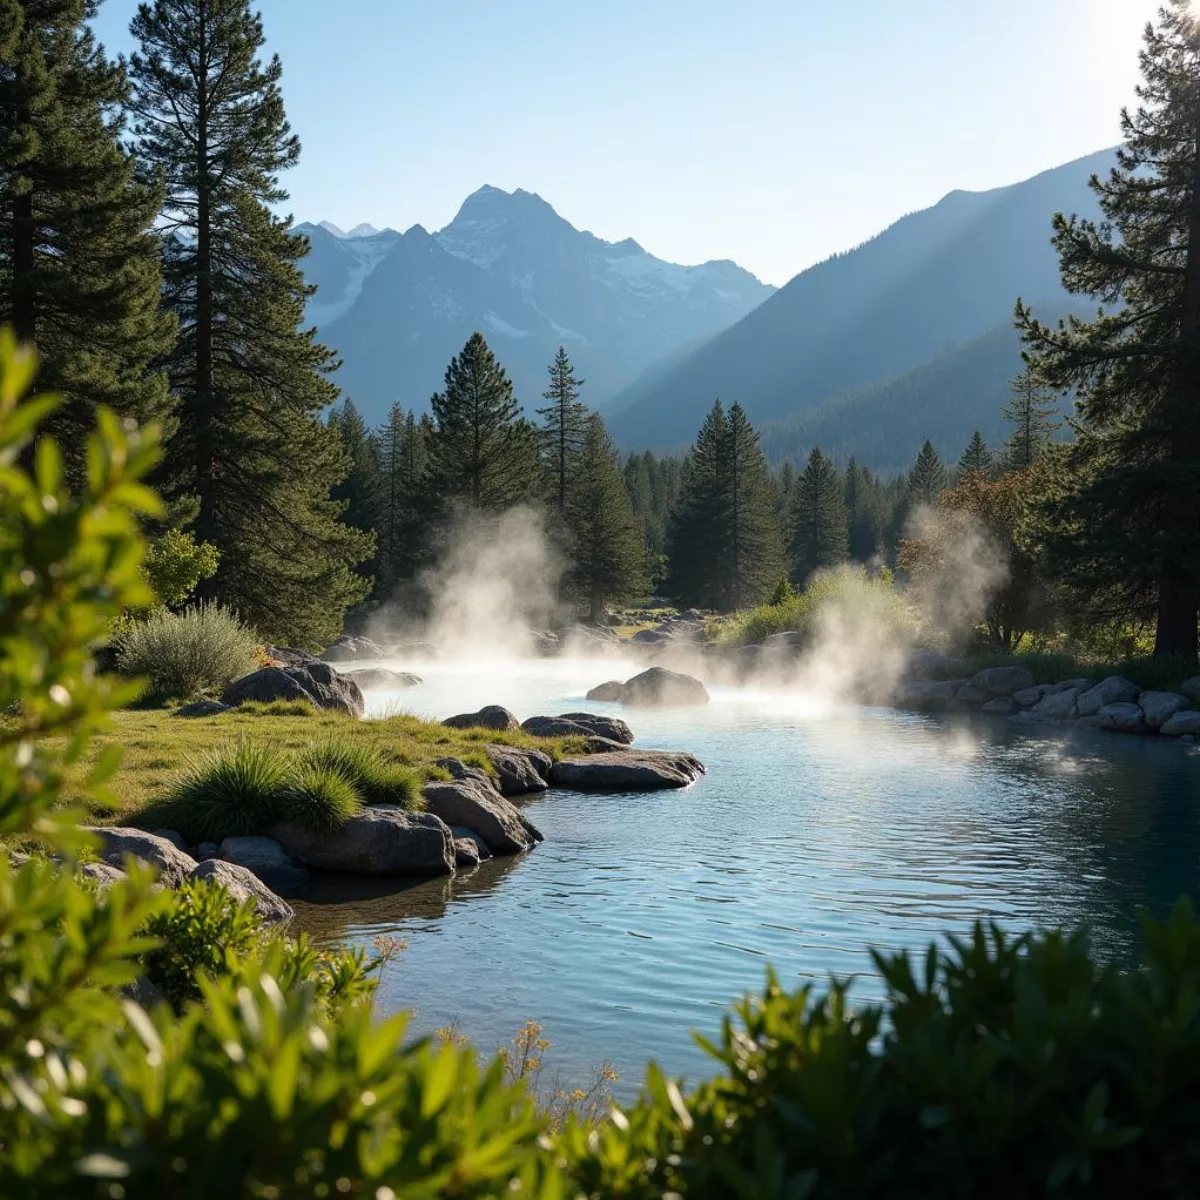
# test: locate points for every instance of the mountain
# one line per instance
(935, 280)
(396, 306)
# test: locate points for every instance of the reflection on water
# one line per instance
(816, 833)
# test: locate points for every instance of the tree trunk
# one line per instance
(1175, 637)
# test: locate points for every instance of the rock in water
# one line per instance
(466, 853)
(317, 683)
(627, 771)
(173, 865)
(1123, 718)
(520, 771)
(1113, 690)
(479, 807)
(1160, 707)
(380, 679)
(267, 859)
(661, 688)
(242, 885)
(612, 728)
(1182, 724)
(1003, 681)
(381, 840)
(352, 649)
(492, 716)
(555, 727)
(613, 690)
(927, 695)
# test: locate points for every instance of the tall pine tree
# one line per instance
(864, 512)
(482, 453)
(79, 259)
(977, 456)
(251, 449)
(1124, 512)
(820, 527)
(564, 427)
(607, 550)
(753, 544)
(927, 480)
(361, 490)
(1032, 410)
(403, 499)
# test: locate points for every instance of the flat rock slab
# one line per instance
(242, 885)
(172, 864)
(479, 807)
(555, 727)
(381, 840)
(627, 771)
(520, 772)
(381, 679)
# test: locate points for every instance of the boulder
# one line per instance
(1122, 717)
(1113, 690)
(1191, 689)
(1002, 681)
(353, 649)
(1028, 697)
(267, 859)
(466, 853)
(520, 772)
(661, 688)
(613, 690)
(243, 886)
(207, 850)
(289, 656)
(546, 643)
(381, 840)
(627, 770)
(1182, 724)
(970, 696)
(480, 807)
(612, 728)
(493, 716)
(317, 683)
(102, 874)
(381, 679)
(555, 727)
(174, 837)
(461, 833)
(927, 695)
(1058, 706)
(117, 843)
(203, 708)
(1002, 706)
(932, 664)
(1160, 707)
(649, 637)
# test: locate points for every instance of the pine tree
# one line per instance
(694, 535)
(361, 490)
(927, 480)
(250, 449)
(564, 427)
(403, 500)
(864, 511)
(79, 260)
(482, 453)
(1124, 513)
(1033, 412)
(820, 533)
(976, 457)
(753, 543)
(607, 551)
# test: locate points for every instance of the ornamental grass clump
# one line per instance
(364, 767)
(318, 798)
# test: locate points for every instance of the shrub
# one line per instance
(186, 654)
(175, 563)
(230, 792)
(376, 780)
(319, 798)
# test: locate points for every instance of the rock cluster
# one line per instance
(316, 682)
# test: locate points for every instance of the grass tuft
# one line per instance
(319, 798)
(279, 708)
(364, 768)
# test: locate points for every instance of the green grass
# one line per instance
(1055, 666)
(367, 771)
(319, 798)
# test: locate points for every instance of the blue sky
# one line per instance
(772, 132)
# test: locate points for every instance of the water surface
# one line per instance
(815, 834)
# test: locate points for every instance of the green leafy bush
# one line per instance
(175, 563)
(186, 654)
(231, 792)
(376, 780)
(320, 798)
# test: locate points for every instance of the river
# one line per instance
(817, 832)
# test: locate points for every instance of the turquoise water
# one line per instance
(816, 833)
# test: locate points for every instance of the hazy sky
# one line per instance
(772, 132)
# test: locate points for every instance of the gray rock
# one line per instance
(353, 649)
(1002, 706)
(1182, 724)
(1081, 685)
(466, 853)
(1028, 697)
(1113, 690)
(660, 688)
(1160, 707)
(207, 850)
(461, 833)
(102, 874)
(289, 656)
(480, 807)
(174, 837)
(1191, 689)
(932, 664)
(649, 637)
(317, 683)
(1058, 706)
(381, 840)
(546, 643)
(613, 690)
(627, 770)
(925, 695)
(612, 728)
(492, 716)
(203, 708)
(555, 727)
(242, 885)
(520, 771)
(1002, 681)
(381, 679)
(1123, 718)
(970, 696)
(267, 859)
(117, 843)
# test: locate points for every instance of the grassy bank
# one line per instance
(157, 746)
